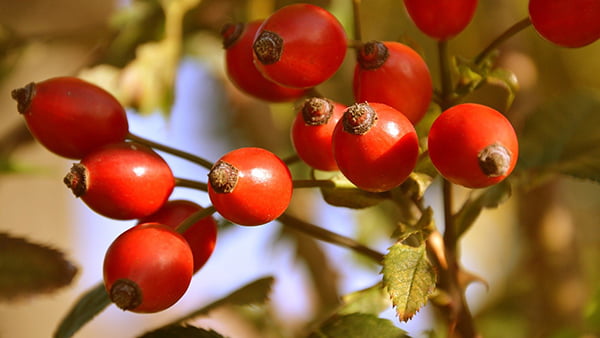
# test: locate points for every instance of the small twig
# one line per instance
(195, 217)
(330, 237)
(185, 155)
(183, 182)
(512, 30)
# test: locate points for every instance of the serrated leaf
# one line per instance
(562, 137)
(28, 269)
(409, 278)
(345, 194)
(358, 325)
(491, 197)
(256, 292)
(87, 307)
(372, 300)
(181, 331)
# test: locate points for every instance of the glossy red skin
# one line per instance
(567, 23)
(460, 133)
(201, 236)
(263, 191)
(239, 64)
(382, 158)
(126, 181)
(157, 259)
(441, 19)
(314, 45)
(402, 82)
(313, 144)
(72, 117)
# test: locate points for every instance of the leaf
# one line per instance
(507, 80)
(345, 194)
(87, 307)
(181, 331)
(562, 137)
(28, 269)
(409, 278)
(358, 325)
(256, 292)
(372, 300)
(491, 197)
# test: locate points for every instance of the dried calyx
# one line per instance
(126, 294)
(494, 160)
(268, 47)
(359, 118)
(231, 32)
(23, 96)
(317, 111)
(372, 55)
(223, 177)
(76, 179)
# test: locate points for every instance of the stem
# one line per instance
(180, 153)
(313, 184)
(291, 159)
(185, 183)
(195, 217)
(356, 20)
(445, 75)
(512, 30)
(330, 237)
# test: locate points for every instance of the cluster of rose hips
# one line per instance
(373, 142)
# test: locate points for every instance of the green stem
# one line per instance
(185, 183)
(445, 75)
(356, 20)
(512, 30)
(313, 184)
(330, 237)
(195, 217)
(185, 155)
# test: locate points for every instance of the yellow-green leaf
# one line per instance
(409, 278)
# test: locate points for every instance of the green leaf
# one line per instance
(28, 269)
(256, 292)
(562, 137)
(87, 307)
(507, 80)
(409, 278)
(372, 300)
(358, 325)
(345, 194)
(181, 331)
(491, 197)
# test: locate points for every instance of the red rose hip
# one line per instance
(394, 74)
(148, 268)
(201, 236)
(375, 146)
(300, 46)
(250, 186)
(71, 117)
(122, 181)
(473, 145)
(312, 132)
(239, 64)
(441, 19)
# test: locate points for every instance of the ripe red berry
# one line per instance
(122, 180)
(300, 46)
(375, 146)
(394, 74)
(71, 117)
(567, 23)
(201, 236)
(148, 268)
(312, 132)
(441, 19)
(473, 145)
(239, 64)
(250, 186)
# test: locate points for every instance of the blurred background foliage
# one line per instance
(133, 49)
